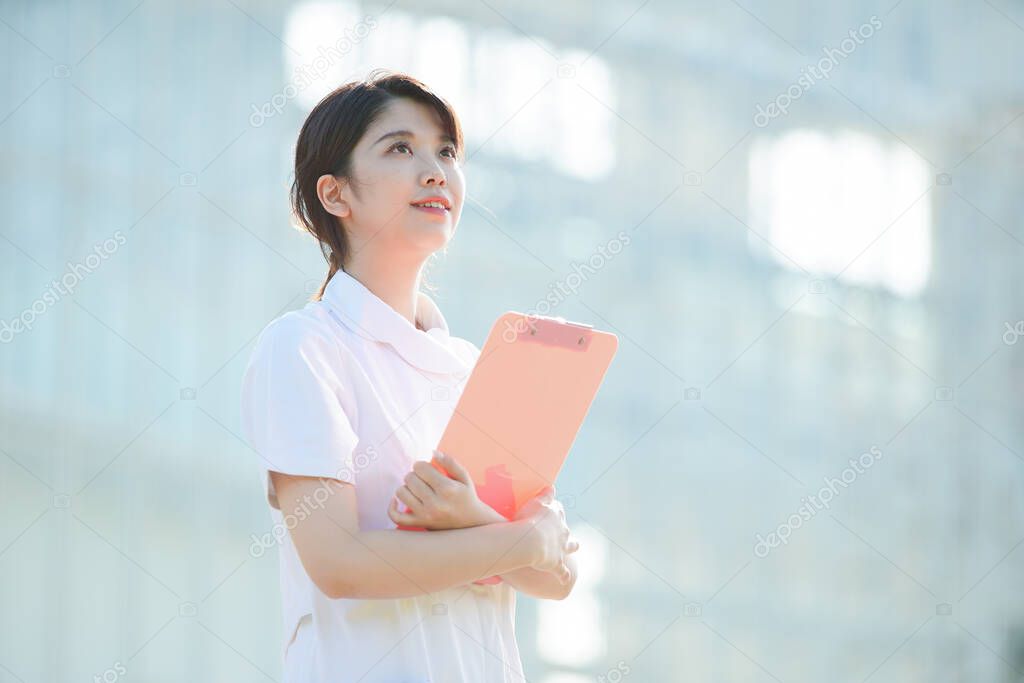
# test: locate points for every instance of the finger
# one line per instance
(420, 489)
(401, 518)
(435, 479)
(455, 468)
(409, 498)
(572, 546)
(546, 493)
(564, 575)
(427, 472)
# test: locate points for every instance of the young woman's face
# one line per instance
(393, 173)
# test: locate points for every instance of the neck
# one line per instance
(397, 287)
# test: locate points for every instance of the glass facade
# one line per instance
(803, 222)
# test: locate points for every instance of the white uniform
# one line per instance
(347, 388)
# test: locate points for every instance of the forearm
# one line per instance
(398, 564)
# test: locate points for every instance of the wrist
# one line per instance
(529, 551)
(487, 515)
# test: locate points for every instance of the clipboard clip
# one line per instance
(553, 331)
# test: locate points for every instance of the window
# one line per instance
(822, 200)
(492, 77)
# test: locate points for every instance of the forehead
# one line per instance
(406, 114)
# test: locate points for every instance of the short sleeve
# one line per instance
(293, 404)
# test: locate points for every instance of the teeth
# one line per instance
(436, 205)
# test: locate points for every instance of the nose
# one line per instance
(435, 176)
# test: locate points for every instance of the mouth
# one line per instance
(431, 209)
(439, 206)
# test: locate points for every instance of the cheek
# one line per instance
(457, 186)
(381, 180)
(382, 195)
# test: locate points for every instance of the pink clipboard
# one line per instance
(523, 405)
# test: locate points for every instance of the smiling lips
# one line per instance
(439, 206)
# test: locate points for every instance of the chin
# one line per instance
(436, 238)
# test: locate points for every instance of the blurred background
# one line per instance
(803, 220)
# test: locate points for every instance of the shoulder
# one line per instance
(307, 333)
(299, 359)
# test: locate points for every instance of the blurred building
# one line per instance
(803, 222)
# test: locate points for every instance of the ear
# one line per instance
(330, 191)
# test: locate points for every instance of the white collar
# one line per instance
(370, 317)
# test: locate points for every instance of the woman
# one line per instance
(345, 399)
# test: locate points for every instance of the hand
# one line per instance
(549, 534)
(439, 502)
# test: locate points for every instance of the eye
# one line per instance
(453, 153)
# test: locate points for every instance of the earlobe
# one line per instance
(328, 190)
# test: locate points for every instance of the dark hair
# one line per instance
(328, 136)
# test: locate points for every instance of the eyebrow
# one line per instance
(408, 134)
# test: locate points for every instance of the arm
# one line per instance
(539, 584)
(439, 502)
(345, 562)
